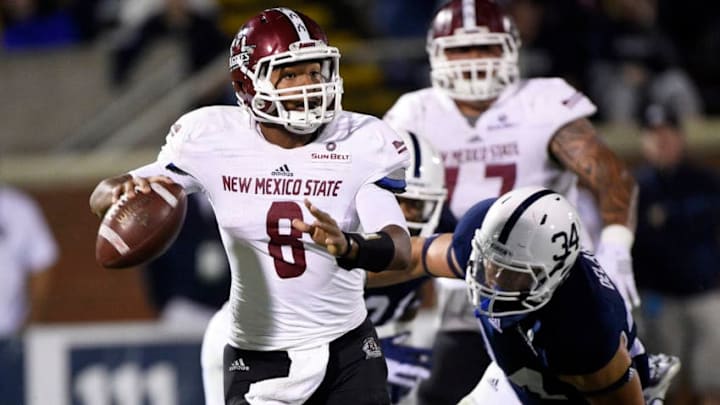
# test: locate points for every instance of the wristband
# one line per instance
(617, 234)
(423, 256)
(375, 252)
(349, 246)
(624, 379)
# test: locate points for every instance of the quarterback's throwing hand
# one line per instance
(324, 230)
(135, 185)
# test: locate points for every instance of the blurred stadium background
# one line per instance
(89, 88)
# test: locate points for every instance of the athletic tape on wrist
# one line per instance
(375, 252)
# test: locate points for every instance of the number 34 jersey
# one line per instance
(506, 148)
(290, 293)
(576, 333)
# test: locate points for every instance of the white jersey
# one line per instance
(27, 247)
(506, 148)
(294, 295)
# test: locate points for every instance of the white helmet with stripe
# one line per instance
(526, 246)
(425, 192)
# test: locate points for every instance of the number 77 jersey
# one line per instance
(288, 293)
(505, 148)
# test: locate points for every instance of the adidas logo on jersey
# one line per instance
(238, 365)
(283, 170)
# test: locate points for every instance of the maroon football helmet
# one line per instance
(276, 37)
(468, 23)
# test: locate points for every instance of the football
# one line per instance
(137, 230)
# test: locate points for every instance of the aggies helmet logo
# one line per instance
(241, 59)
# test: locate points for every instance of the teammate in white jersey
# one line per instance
(496, 133)
(27, 252)
(293, 177)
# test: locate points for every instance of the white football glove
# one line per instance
(663, 369)
(614, 256)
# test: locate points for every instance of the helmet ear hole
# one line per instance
(237, 86)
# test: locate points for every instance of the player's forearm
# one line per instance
(401, 240)
(413, 271)
(616, 382)
(628, 394)
(577, 147)
(102, 197)
(429, 257)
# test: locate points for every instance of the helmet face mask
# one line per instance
(425, 192)
(500, 289)
(274, 39)
(521, 278)
(319, 101)
(468, 24)
(422, 213)
(523, 251)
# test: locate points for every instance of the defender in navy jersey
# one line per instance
(552, 320)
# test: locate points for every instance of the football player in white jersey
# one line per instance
(496, 133)
(388, 306)
(293, 177)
